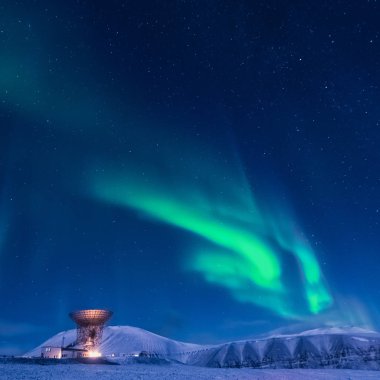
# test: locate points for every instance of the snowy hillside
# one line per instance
(352, 348)
(124, 340)
(321, 348)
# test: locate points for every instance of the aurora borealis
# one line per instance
(206, 171)
(248, 262)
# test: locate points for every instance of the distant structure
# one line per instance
(90, 325)
(52, 352)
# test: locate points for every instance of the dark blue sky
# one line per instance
(145, 145)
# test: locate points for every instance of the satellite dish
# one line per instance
(90, 325)
(91, 317)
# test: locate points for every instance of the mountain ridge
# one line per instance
(335, 347)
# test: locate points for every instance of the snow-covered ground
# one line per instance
(322, 349)
(170, 372)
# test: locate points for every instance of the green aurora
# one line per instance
(246, 246)
(244, 250)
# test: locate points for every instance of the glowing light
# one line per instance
(94, 354)
(251, 245)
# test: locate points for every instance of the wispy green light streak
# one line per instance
(248, 264)
(265, 268)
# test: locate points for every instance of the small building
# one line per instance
(50, 352)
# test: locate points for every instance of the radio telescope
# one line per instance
(90, 325)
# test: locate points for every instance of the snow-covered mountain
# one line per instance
(354, 348)
(321, 348)
(123, 340)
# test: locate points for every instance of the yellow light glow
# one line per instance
(94, 354)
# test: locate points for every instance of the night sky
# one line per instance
(208, 170)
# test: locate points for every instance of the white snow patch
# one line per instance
(360, 339)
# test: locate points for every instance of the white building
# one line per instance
(50, 352)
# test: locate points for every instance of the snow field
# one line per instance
(170, 372)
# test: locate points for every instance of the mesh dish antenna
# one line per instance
(90, 324)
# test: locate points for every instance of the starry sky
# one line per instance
(207, 170)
